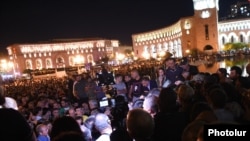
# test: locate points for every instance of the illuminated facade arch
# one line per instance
(248, 36)
(39, 64)
(59, 59)
(165, 46)
(90, 58)
(233, 37)
(28, 64)
(79, 60)
(71, 60)
(48, 63)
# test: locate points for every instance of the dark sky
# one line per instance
(30, 21)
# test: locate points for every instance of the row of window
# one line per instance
(59, 62)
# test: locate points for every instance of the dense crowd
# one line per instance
(169, 102)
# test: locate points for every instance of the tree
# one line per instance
(235, 46)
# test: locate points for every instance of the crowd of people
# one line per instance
(174, 105)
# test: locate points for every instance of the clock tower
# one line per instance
(206, 24)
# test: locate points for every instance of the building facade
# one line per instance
(195, 32)
(59, 54)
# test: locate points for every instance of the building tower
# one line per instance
(205, 24)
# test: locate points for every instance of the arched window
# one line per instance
(39, 64)
(232, 39)
(71, 60)
(90, 58)
(241, 38)
(28, 64)
(48, 63)
(59, 60)
(223, 40)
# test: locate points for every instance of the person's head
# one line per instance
(42, 129)
(161, 72)
(72, 112)
(140, 124)
(167, 100)
(135, 74)
(79, 111)
(14, 127)
(191, 130)
(155, 92)
(55, 113)
(150, 104)
(171, 62)
(64, 124)
(185, 93)
(78, 77)
(198, 108)
(145, 81)
(118, 78)
(235, 72)
(184, 62)
(102, 122)
(222, 72)
(217, 98)
(127, 78)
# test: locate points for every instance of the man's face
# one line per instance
(233, 74)
(133, 74)
(127, 78)
(118, 79)
(171, 64)
(55, 113)
(79, 112)
(78, 78)
(145, 83)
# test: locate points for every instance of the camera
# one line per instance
(106, 102)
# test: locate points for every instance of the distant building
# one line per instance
(60, 53)
(200, 31)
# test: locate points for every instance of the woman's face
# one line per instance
(160, 72)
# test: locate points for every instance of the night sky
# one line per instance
(31, 21)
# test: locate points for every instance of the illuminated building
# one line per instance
(59, 54)
(195, 32)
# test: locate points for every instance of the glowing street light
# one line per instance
(187, 51)
(146, 55)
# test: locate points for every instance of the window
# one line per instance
(241, 38)
(223, 40)
(48, 63)
(206, 32)
(28, 64)
(232, 39)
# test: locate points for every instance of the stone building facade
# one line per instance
(59, 54)
(194, 32)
